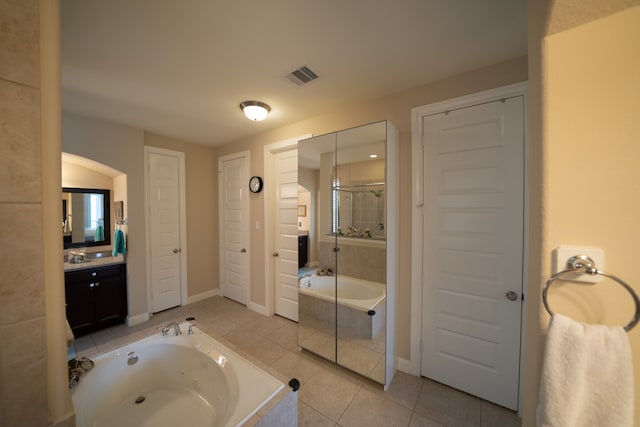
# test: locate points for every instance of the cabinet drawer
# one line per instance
(95, 273)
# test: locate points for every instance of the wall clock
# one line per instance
(255, 184)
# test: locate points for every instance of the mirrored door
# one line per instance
(359, 190)
(317, 279)
(342, 293)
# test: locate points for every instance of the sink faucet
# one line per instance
(174, 326)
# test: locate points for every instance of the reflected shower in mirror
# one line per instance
(86, 217)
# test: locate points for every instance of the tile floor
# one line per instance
(329, 395)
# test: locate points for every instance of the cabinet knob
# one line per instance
(177, 251)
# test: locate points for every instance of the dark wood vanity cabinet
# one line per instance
(96, 297)
(303, 250)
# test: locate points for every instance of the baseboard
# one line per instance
(258, 308)
(203, 295)
(404, 365)
(137, 319)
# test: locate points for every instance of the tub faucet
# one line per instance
(174, 326)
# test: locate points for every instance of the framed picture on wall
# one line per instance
(118, 211)
(302, 210)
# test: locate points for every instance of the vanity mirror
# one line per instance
(86, 217)
(345, 303)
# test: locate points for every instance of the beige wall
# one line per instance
(202, 207)
(77, 176)
(397, 109)
(121, 148)
(584, 149)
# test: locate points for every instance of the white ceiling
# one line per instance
(181, 68)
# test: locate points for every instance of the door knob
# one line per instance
(275, 254)
(177, 251)
(243, 250)
(512, 296)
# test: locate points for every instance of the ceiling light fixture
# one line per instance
(373, 156)
(255, 110)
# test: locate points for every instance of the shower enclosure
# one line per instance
(346, 301)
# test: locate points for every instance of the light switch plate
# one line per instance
(562, 254)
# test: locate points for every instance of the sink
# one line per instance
(94, 259)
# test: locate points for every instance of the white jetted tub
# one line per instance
(185, 380)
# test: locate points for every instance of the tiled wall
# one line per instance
(360, 262)
(23, 346)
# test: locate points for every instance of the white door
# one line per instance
(164, 231)
(473, 248)
(233, 185)
(286, 232)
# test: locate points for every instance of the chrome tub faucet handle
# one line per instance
(174, 326)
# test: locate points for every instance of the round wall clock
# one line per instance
(255, 184)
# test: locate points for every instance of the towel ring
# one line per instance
(582, 262)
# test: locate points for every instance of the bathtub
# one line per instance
(360, 310)
(355, 293)
(188, 380)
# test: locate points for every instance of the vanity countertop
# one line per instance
(95, 260)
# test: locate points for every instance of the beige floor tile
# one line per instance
(328, 393)
(309, 417)
(113, 333)
(295, 364)
(241, 315)
(106, 346)
(404, 389)
(286, 336)
(497, 416)
(267, 325)
(448, 406)
(221, 326)
(259, 347)
(370, 409)
(418, 420)
(84, 343)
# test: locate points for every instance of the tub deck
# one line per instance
(199, 386)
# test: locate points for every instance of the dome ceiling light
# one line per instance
(255, 110)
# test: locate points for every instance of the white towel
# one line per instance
(587, 376)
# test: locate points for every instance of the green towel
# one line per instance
(99, 236)
(119, 243)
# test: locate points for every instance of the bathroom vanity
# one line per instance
(96, 297)
(303, 250)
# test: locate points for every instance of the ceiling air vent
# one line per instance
(301, 76)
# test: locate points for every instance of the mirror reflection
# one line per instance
(342, 299)
(86, 217)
